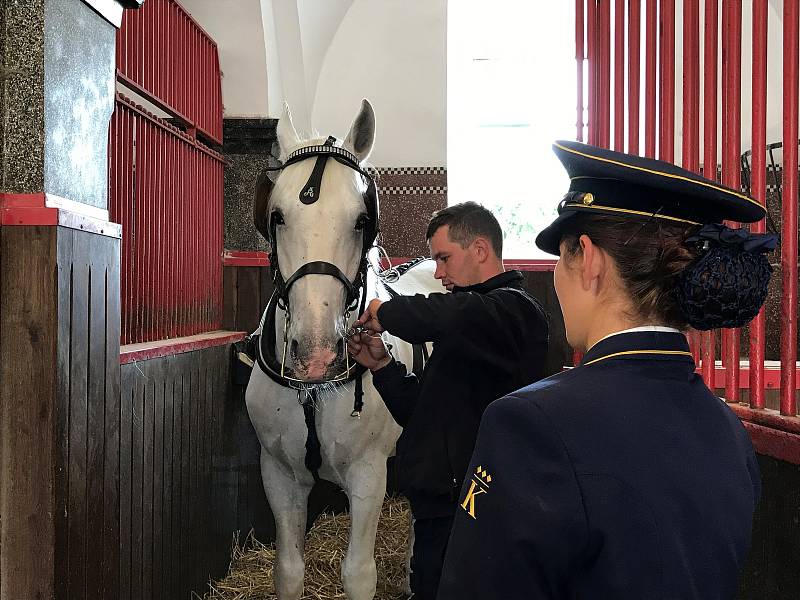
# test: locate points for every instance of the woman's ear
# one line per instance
(593, 264)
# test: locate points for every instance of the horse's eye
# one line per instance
(361, 222)
(276, 218)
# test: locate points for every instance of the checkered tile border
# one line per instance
(412, 170)
(413, 189)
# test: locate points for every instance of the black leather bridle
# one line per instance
(309, 194)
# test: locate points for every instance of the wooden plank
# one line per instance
(77, 507)
(196, 436)
(248, 299)
(229, 299)
(167, 488)
(137, 464)
(96, 375)
(113, 449)
(61, 449)
(177, 476)
(127, 395)
(147, 483)
(158, 479)
(225, 488)
(211, 370)
(28, 296)
(186, 500)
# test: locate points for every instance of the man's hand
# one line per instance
(369, 351)
(370, 317)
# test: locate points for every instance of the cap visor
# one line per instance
(549, 238)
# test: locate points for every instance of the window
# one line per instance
(511, 92)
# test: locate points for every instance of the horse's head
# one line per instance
(313, 219)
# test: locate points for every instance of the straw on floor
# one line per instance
(250, 574)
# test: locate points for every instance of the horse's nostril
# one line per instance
(340, 348)
(293, 348)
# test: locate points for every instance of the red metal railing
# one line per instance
(656, 19)
(163, 52)
(166, 190)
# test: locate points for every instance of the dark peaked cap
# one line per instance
(607, 182)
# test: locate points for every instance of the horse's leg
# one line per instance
(366, 488)
(288, 499)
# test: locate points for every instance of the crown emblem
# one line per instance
(482, 474)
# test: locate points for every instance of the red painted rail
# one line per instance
(166, 190)
(163, 54)
(746, 381)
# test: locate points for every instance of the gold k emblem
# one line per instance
(477, 486)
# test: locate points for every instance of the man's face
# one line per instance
(454, 265)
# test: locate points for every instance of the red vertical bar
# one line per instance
(186, 74)
(731, 166)
(650, 80)
(138, 239)
(605, 73)
(710, 43)
(150, 243)
(619, 76)
(184, 159)
(193, 236)
(691, 108)
(789, 214)
(160, 220)
(691, 85)
(666, 94)
(148, 42)
(634, 50)
(579, 58)
(758, 164)
(591, 64)
(169, 50)
(133, 44)
(158, 52)
(122, 218)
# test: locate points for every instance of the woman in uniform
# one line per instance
(624, 477)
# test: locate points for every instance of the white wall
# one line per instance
(236, 27)
(393, 52)
(323, 56)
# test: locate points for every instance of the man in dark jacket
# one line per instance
(490, 337)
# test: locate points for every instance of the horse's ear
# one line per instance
(362, 133)
(260, 217)
(286, 133)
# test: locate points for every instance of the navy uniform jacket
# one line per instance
(624, 477)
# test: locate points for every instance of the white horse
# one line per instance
(309, 346)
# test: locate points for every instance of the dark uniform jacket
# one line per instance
(488, 339)
(623, 478)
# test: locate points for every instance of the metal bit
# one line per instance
(354, 330)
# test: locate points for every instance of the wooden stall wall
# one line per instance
(183, 438)
(59, 382)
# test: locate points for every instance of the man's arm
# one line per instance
(418, 319)
(398, 389)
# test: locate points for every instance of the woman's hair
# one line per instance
(650, 256)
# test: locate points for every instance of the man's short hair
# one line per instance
(468, 221)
